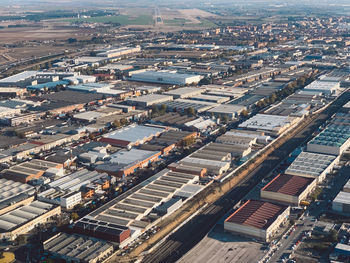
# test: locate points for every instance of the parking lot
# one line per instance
(218, 246)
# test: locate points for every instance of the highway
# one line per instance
(186, 237)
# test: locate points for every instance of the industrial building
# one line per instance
(127, 212)
(313, 165)
(78, 248)
(124, 162)
(260, 136)
(112, 52)
(25, 218)
(257, 219)
(165, 77)
(325, 87)
(210, 98)
(149, 100)
(183, 93)
(214, 167)
(341, 203)
(335, 139)
(229, 110)
(31, 170)
(181, 105)
(131, 135)
(66, 200)
(14, 194)
(288, 189)
(274, 125)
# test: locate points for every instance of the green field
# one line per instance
(121, 19)
(176, 21)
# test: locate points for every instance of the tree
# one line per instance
(244, 113)
(190, 111)
(116, 124)
(333, 235)
(225, 119)
(123, 122)
(74, 216)
(204, 81)
(188, 141)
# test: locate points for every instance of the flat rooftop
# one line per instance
(258, 214)
(288, 184)
(312, 164)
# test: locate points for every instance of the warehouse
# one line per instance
(288, 189)
(260, 136)
(234, 150)
(149, 100)
(236, 140)
(165, 77)
(8, 112)
(183, 93)
(176, 137)
(213, 167)
(181, 105)
(31, 170)
(132, 208)
(25, 218)
(313, 165)
(326, 87)
(257, 219)
(341, 203)
(335, 139)
(124, 163)
(229, 110)
(131, 135)
(14, 194)
(59, 197)
(117, 52)
(271, 124)
(210, 98)
(77, 248)
(75, 181)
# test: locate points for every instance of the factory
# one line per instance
(111, 53)
(149, 100)
(288, 189)
(126, 214)
(210, 98)
(229, 110)
(273, 125)
(341, 203)
(165, 77)
(131, 135)
(334, 140)
(124, 162)
(312, 165)
(78, 248)
(76, 182)
(25, 218)
(66, 200)
(14, 194)
(322, 86)
(181, 105)
(31, 170)
(260, 136)
(8, 112)
(183, 93)
(257, 219)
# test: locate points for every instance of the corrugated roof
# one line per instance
(288, 184)
(257, 214)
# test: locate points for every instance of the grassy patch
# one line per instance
(120, 19)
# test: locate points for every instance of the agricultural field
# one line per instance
(117, 19)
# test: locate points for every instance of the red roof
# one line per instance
(257, 214)
(288, 184)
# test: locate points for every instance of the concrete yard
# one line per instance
(218, 246)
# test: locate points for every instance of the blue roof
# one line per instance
(49, 85)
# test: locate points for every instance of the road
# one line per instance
(192, 232)
(314, 212)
